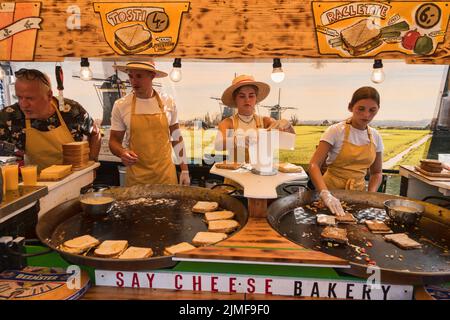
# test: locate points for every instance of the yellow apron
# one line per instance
(350, 166)
(259, 124)
(44, 148)
(150, 140)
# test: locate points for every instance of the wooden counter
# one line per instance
(418, 186)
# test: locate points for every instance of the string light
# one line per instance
(85, 71)
(175, 74)
(277, 72)
(377, 73)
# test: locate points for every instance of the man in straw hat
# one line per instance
(148, 121)
(243, 94)
(37, 127)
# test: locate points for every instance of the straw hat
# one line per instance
(244, 80)
(141, 65)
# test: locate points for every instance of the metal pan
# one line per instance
(153, 216)
(431, 264)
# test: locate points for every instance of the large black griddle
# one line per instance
(428, 265)
(153, 216)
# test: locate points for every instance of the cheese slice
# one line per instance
(55, 172)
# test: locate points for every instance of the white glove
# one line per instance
(332, 203)
(184, 178)
(282, 124)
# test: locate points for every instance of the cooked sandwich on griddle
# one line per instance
(287, 167)
(324, 219)
(361, 37)
(335, 235)
(403, 241)
(136, 253)
(111, 248)
(181, 247)
(378, 227)
(133, 39)
(347, 218)
(225, 226)
(79, 245)
(219, 215)
(205, 206)
(204, 238)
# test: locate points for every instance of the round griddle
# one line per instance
(155, 216)
(431, 264)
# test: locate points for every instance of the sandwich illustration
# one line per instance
(133, 39)
(365, 36)
(361, 37)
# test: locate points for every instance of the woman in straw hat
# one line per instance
(148, 120)
(351, 149)
(243, 94)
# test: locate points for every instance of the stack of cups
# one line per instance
(76, 154)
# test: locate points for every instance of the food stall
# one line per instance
(273, 253)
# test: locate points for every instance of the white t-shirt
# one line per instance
(121, 112)
(335, 134)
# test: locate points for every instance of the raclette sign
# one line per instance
(365, 29)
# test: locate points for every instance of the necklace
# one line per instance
(246, 121)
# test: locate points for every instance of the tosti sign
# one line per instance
(149, 28)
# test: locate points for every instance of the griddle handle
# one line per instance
(438, 198)
(10, 250)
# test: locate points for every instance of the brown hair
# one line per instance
(236, 91)
(365, 93)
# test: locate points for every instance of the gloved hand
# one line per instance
(332, 203)
(282, 124)
(184, 178)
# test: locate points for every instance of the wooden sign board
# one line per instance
(229, 29)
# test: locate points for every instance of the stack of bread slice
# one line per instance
(76, 154)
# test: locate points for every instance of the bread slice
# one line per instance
(334, 234)
(136, 253)
(225, 226)
(181, 247)
(205, 206)
(219, 215)
(323, 219)
(79, 244)
(205, 238)
(347, 218)
(378, 227)
(111, 248)
(289, 168)
(403, 241)
(228, 165)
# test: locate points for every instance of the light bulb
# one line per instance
(377, 76)
(2, 73)
(277, 72)
(377, 73)
(175, 74)
(85, 73)
(277, 75)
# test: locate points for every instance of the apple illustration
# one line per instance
(409, 39)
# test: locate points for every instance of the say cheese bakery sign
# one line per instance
(253, 284)
(141, 28)
(364, 29)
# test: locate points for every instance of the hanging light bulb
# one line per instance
(85, 71)
(277, 72)
(377, 73)
(175, 74)
(2, 73)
